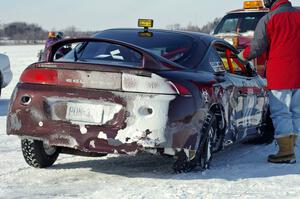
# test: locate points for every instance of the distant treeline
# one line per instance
(24, 33)
(207, 28)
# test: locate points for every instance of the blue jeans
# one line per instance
(285, 111)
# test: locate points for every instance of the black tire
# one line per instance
(208, 142)
(37, 154)
(266, 132)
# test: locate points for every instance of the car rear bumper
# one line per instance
(136, 121)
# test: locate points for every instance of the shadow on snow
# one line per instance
(234, 163)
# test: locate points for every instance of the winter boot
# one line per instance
(295, 139)
(286, 153)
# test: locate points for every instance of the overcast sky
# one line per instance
(103, 14)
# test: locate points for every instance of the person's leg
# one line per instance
(295, 109)
(280, 104)
(280, 101)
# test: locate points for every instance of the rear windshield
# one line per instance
(239, 22)
(105, 53)
(175, 47)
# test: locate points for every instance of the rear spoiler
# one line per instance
(150, 60)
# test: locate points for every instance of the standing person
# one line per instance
(278, 34)
(59, 35)
(52, 38)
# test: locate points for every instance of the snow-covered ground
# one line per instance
(240, 171)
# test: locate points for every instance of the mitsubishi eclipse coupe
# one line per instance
(130, 90)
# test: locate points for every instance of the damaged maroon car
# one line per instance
(125, 91)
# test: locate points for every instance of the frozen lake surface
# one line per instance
(240, 171)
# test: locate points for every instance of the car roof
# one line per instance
(249, 10)
(253, 10)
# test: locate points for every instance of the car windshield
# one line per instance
(239, 23)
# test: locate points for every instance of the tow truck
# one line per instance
(237, 27)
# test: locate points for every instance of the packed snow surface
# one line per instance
(240, 171)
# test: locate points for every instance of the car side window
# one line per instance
(230, 60)
(215, 62)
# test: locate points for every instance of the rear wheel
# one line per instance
(209, 141)
(38, 154)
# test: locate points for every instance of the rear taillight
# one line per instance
(180, 89)
(39, 76)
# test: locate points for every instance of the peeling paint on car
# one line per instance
(154, 84)
(139, 124)
(92, 143)
(114, 142)
(102, 135)
(83, 130)
(62, 140)
(14, 122)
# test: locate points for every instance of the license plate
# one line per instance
(83, 112)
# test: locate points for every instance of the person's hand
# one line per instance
(242, 58)
(249, 69)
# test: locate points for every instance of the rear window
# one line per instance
(176, 47)
(104, 53)
(239, 22)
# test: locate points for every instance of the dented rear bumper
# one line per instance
(130, 121)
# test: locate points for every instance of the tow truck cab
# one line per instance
(237, 27)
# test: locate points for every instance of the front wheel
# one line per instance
(38, 154)
(266, 132)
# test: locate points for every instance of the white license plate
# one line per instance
(83, 112)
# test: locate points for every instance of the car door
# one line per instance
(246, 101)
(244, 98)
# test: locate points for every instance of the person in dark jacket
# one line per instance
(278, 34)
(52, 38)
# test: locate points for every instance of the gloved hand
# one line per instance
(249, 69)
(242, 58)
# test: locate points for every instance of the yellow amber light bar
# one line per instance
(145, 23)
(253, 4)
